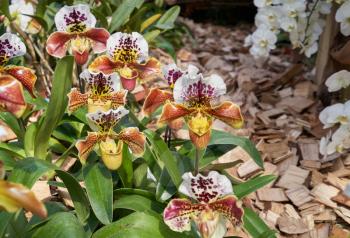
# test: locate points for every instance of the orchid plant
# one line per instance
(91, 139)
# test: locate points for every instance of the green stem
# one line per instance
(81, 81)
(196, 162)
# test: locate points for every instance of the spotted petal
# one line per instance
(77, 18)
(15, 196)
(196, 89)
(134, 139)
(57, 44)
(100, 83)
(23, 74)
(171, 73)
(104, 64)
(205, 189)
(229, 113)
(99, 37)
(10, 46)
(85, 147)
(76, 100)
(155, 99)
(127, 48)
(11, 95)
(230, 208)
(105, 121)
(177, 215)
(173, 111)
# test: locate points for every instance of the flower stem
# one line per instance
(196, 162)
(81, 82)
(167, 136)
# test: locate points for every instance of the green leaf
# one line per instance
(151, 35)
(122, 14)
(99, 187)
(137, 225)
(14, 149)
(4, 8)
(243, 189)
(224, 138)
(60, 225)
(166, 22)
(139, 203)
(133, 191)
(29, 140)
(62, 83)
(165, 155)
(256, 226)
(126, 170)
(101, 17)
(79, 198)
(28, 171)
(5, 218)
(13, 123)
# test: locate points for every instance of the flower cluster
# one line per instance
(301, 19)
(336, 115)
(13, 78)
(214, 204)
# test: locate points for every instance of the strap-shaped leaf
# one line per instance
(122, 14)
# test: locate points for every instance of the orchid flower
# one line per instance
(343, 15)
(215, 203)
(76, 33)
(127, 54)
(14, 196)
(12, 77)
(336, 113)
(110, 143)
(104, 92)
(339, 141)
(194, 98)
(20, 11)
(338, 80)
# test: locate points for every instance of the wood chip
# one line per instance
(248, 168)
(323, 193)
(293, 177)
(272, 195)
(299, 195)
(292, 225)
(309, 151)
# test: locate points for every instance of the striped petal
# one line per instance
(155, 99)
(173, 111)
(15, 196)
(134, 139)
(229, 113)
(205, 189)
(11, 95)
(177, 215)
(23, 74)
(76, 100)
(104, 64)
(85, 147)
(57, 44)
(230, 208)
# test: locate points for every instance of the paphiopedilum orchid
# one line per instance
(12, 77)
(110, 143)
(194, 99)
(104, 92)
(127, 54)
(77, 33)
(215, 203)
